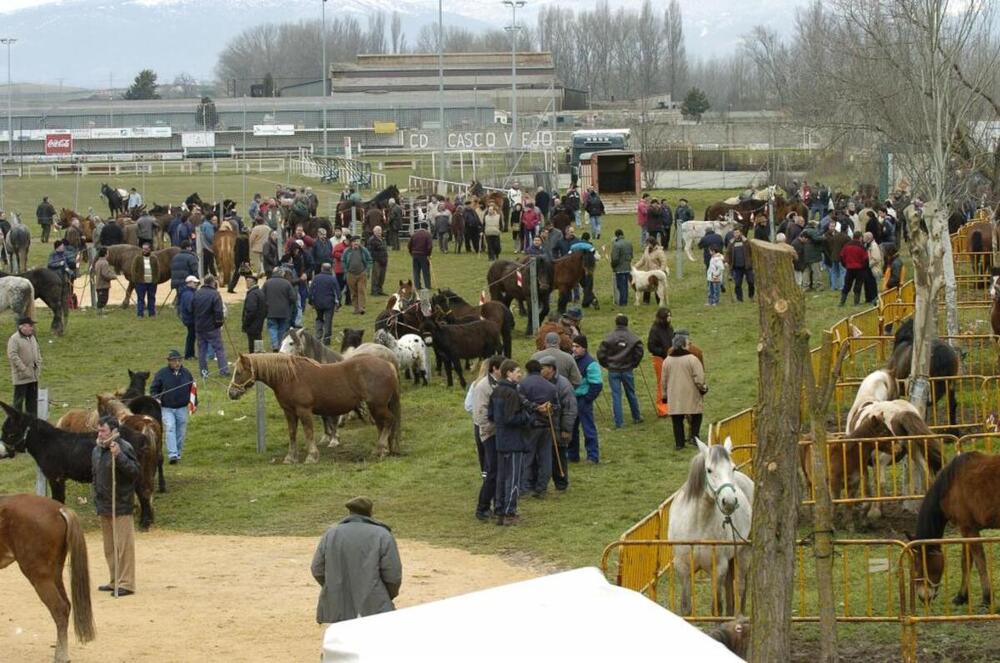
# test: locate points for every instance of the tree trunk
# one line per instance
(947, 265)
(782, 347)
(927, 239)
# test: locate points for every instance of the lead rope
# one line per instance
(114, 527)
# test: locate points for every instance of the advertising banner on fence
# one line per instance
(197, 139)
(274, 130)
(481, 140)
(58, 144)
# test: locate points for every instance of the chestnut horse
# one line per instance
(151, 463)
(304, 388)
(224, 248)
(502, 277)
(38, 533)
(980, 245)
(967, 494)
(570, 271)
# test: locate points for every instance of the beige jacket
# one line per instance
(258, 238)
(25, 358)
(683, 381)
(650, 260)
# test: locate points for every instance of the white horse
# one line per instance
(411, 351)
(654, 281)
(18, 295)
(693, 231)
(714, 504)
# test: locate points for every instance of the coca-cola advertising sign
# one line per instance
(58, 143)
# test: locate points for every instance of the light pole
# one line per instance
(8, 42)
(442, 174)
(513, 29)
(326, 146)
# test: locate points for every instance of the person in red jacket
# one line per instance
(854, 257)
(420, 247)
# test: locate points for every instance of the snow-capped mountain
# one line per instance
(89, 42)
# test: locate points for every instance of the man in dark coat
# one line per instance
(112, 233)
(324, 294)
(45, 213)
(209, 316)
(421, 246)
(254, 312)
(185, 310)
(510, 415)
(543, 200)
(282, 303)
(183, 265)
(380, 260)
(357, 564)
(395, 224)
(114, 507)
(620, 352)
(536, 468)
(565, 422)
(172, 387)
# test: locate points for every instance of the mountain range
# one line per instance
(104, 43)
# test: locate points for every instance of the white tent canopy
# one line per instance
(572, 616)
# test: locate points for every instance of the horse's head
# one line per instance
(137, 380)
(243, 377)
(406, 292)
(352, 339)
(292, 343)
(995, 289)
(720, 475)
(927, 567)
(14, 433)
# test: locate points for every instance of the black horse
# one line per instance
(452, 308)
(944, 364)
(136, 386)
(116, 204)
(452, 343)
(380, 200)
(62, 455)
(54, 289)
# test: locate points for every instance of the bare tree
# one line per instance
(676, 59)
(396, 32)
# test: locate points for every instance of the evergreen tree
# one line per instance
(206, 115)
(695, 104)
(143, 87)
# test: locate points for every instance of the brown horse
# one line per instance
(449, 305)
(151, 464)
(38, 533)
(502, 277)
(120, 257)
(980, 245)
(79, 420)
(967, 494)
(305, 388)
(224, 248)
(555, 327)
(570, 271)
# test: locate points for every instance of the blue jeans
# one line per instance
(576, 217)
(621, 284)
(595, 225)
(213, 340)
(713, 292)
(421, 267)
(837, 276)
(584, 419)
(276, 329)
(145, 296)
(175, 422)
(617, 380)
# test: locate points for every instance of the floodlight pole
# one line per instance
(442, 175)
(513, 29)
(326, 146)
(8, 42)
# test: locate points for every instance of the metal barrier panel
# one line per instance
(976, 263)
(943, 560)
(965, 391)
(639, 568)
(739, 427)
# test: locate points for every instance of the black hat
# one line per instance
(619, 232)
(173, 354)
(360, 505)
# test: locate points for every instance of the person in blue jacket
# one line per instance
(185, 299)
(586, 393)
(172, 387)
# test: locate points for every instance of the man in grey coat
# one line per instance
(357, 565)
(565, 422)
(565, 364)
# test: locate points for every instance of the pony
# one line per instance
(53, 289)
(410, 350)
(352, 346)
(568, 272)
(556, 326)
(224, 248)
(965, 494)
(504, 286)
(302, 343)
(38, 534)
(379, 200)
(79, 420)
(62, 455)
(654, 281)
(302, 387)
(404, 311)
(117, 200)
(120, 257)
(136, 386)
(452, 308)
(18, 295)
(452, 343)
(715, 503)
(152, 463)
(16, 243)
(693, 231)
(944, 363)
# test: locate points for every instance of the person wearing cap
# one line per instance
(564, 362)
(171, 386)
(586, 393)
(144, 276)
(185, 311)
(45, 213)
(60, 262)
(683, 388)
(394, 224)
(209, 316)
(571, 320)
(254, 312)
(357, 565)
(357, 266)
(564, 423)
(621, 352)
(380, 260)
(115, 469)
(25, 366)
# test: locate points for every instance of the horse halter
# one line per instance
(242, 387)
(715, 492)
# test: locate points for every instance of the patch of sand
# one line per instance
(226, 598)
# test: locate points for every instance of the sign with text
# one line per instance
(274, 130)
(198, 139)
(482, 140)
(58, 144)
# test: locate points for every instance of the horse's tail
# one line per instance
(395, 408)
(506, 330)
(976, 241)
(83, 615)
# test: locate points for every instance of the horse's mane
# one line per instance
(932, 519)
(694, 487)
(113, 404)
(275, 367)
(451, 297)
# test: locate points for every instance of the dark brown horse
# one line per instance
(743, 210)
(120, 257)
(555, 327)
(569, 272)
(502, 277)
(980, 245)
(305, 388)
(404, 313)
(38, 534)
(967, 494)
(450, 306)
(379, 200)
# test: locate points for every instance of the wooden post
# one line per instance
(258, 346)
(533, 285)
(41, 483)
(782, 346)
(199, 248)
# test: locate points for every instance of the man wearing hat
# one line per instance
(586, 393)
(564, 423)
(563, 361)
(185, 311)
(254, 311)
(357, 564)
(571, 320)
(145, 275)
(172, 387)
(25, 366)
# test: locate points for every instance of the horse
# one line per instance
(403, 309)
(53, 288)
(506, 286)
(980, 245)
(302, 343)
(452, 343)
(965, 494)
(554, 327)
(452, 307)
(654, 281)
(568, 272)
(693, 231)
(945, 363)
(121, 256)
(351, 346)
(715, 503)
(62, 455)
(302, 387)
(18, 295)
(411, 352)
(723, 209)
(379, 200)
(152, 464)
(117, 200)
(17, 242)
(38, 534)
(136, 386)
(224, 248)
(79, 420)
(995, 309)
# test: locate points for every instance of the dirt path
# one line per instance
(222, 598)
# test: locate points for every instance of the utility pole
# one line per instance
(442, 174)
(8, 42)
(326, 146)
(513, 28)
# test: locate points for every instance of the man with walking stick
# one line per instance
(115, 470)
(563, 433)
(537, 462)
